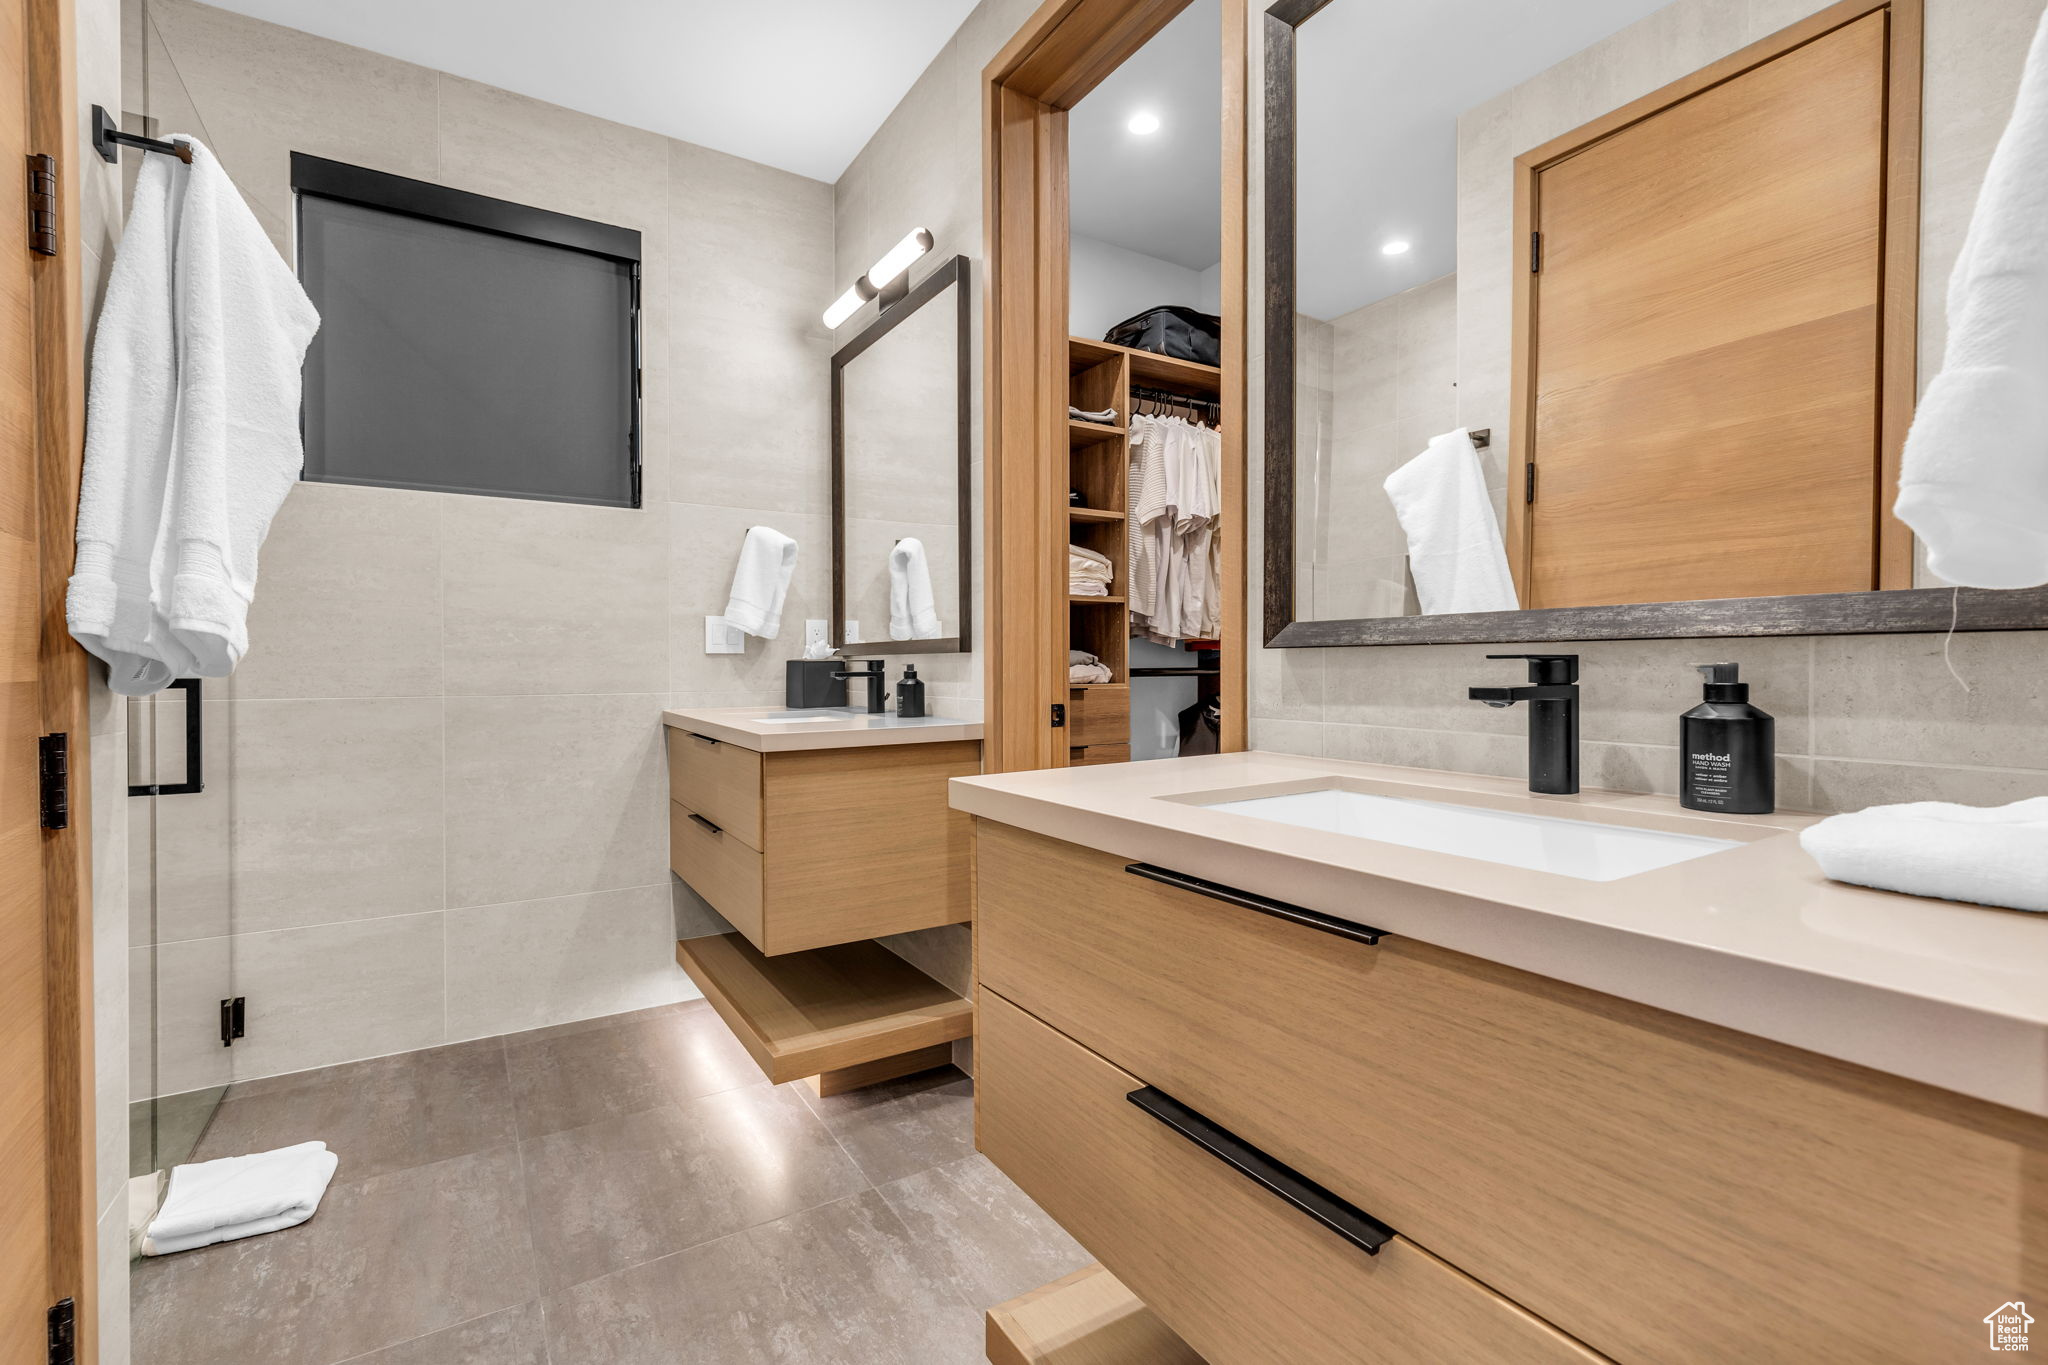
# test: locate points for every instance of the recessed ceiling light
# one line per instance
(1394, 248)
(1143, 124)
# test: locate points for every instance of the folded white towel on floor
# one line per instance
(1974, 480)
(1454, 544)
(912, 613)
(760, 582)
(1996, 855)
(239, 1196)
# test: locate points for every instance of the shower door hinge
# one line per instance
(1535, 253)
(64, 1333)
(231, 1020)
(53, 767)
(1059, 716)
(42, 204)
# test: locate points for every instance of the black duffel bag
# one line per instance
(1171, 330)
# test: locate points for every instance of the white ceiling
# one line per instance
(1160, 194)
(1381, 84)
(1380, 89)
(798, 84)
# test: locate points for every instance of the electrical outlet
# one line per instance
(723, 637)
(816, 633)
(852, 630)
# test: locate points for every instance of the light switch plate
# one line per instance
(723, 637)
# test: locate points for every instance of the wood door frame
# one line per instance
(1899, 255)
(1061, 53)
(66, 864)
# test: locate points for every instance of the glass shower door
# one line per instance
(181, 971)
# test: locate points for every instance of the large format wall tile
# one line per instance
(337, 992)
(547, 597)
(510, 146)
(349, 604)
(752, 244)
(337, 810)
(1892, 697)
(520, 966)
(180, 856)
(554, 796)
(704, 546)
(175, 990)
(750, 415)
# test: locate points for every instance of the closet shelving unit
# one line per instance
(1101, 375)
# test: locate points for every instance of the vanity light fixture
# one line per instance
(1144, 123)
(887, 278)
(1397, 247)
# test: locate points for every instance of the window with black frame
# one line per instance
(467, 344)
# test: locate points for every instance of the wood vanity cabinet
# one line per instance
(813, 847)
(1569, 1176)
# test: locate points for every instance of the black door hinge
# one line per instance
(232, 1018)
(54, 766)
(1529, 482)
(1535, 253)
(42, 204)
(64, 1333)
(1059, 716)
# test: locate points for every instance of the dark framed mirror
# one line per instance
(1600, 322)
(902, 452)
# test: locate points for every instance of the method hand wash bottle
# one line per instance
(1727, 753)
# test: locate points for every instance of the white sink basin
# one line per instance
(1585, 849)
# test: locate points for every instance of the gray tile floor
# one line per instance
(624, 1191)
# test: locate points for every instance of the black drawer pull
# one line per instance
(1348, 1221)
(706, 823)
(1230, 895)
(704, 738)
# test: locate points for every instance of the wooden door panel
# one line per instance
(1707, 341)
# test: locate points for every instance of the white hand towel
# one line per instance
(1454, 544)
(760, 582)
(1974, 480)
(193, 429)
(1994, 855)
(912, 614)
(239, 1196)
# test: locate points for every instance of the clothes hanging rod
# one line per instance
(1172, 399)
(108, 139)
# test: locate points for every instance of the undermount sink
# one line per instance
(1590, 850)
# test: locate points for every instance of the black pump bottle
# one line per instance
(910, 694)
(1727, 750)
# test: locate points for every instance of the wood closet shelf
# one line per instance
(1092, 514)
(825, 1009)
(1082, 434)
(1148, 366)
(1096, 601)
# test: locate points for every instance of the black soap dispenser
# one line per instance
(1727, 749)
(910, 694)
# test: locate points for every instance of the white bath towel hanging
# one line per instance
(192, 436)
(1995, 855)
(1974, 480)
(239, 1196)
(1454, 545)
(912, 612)
(760, 582)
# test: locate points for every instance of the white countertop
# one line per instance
(769, 729)
(1754, 937)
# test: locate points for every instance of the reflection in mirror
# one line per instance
(1590, 312)
(900, 473)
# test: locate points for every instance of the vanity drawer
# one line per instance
(1660, 1188)
(718, 867)
(1239, 1274)
(720, 781)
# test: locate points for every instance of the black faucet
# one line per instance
(878, 684)
(1553, 697)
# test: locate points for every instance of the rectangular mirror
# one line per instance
(901, 453)
(1598, 320)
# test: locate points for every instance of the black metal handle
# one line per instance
(1265, 905)
(706, 823)
(195, 748)
(706, 738)
(1348, 1221)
